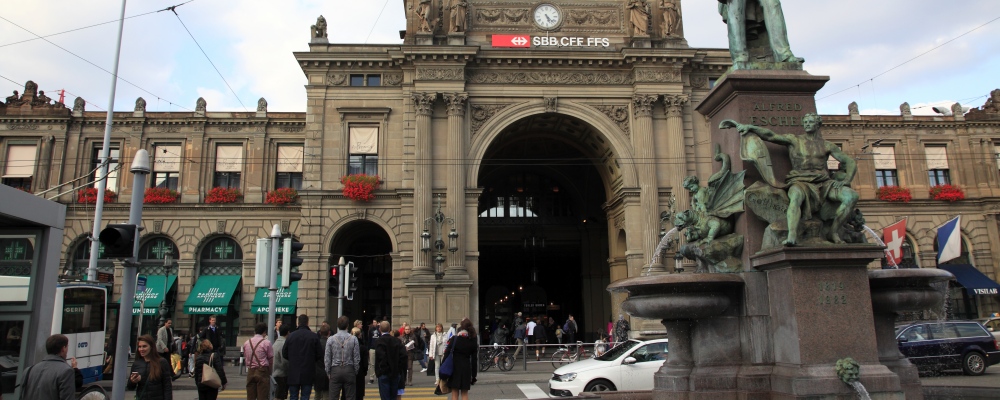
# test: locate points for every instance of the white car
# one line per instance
(629, 365)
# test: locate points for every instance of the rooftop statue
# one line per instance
(671, 19)
(812, 205)
(756, 33)
(459, 9)
(423, 13)
(319, 30)
(639, 17)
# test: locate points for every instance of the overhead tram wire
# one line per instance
(376, 21)
(79, 29)
(67, 92)
(174, 10)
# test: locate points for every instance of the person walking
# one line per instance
(425, 342)
(373, 335)
(539, 338)
(150, 375)
(260, 357)
(569, 330)
(280, 370)
(164, 340)
(342, 359)
(519, 336)
(321, 385)
(359, 379)
(388, 351)
(413, 351)
(206, 355)
(437, 348)
(214, 335)
(302, 350)
(51, 378)
(500, 334)
(464, 350)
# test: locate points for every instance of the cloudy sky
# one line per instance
(251, 41)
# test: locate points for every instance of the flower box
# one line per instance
(894, 194)
(947, 193)
(89, 196)
(220, 195)
(360, 187)
(160, 196)
(281, 196)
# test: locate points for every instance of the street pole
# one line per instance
(102, 183)
(140, 168)
(340, 282)
(272, 303)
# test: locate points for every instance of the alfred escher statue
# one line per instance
(811, 189)
(756, 30)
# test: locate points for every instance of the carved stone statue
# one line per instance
(956, 109)
(201, 104)
(140, 105)
(13, 100)
(41, 99)
(904, 109)
(261, 105)
(79, 105)
(459, 18)
(989, 110)
(423, 13)
(639, 17)
(708, 225)
(30, 89)
(756, 32)
(319, 30)
(810, 204)
(671, 19)
(853, 108)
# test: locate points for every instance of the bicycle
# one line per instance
(497, 356)
(565, 355)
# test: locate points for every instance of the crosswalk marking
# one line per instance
(532, 391)
(410, 393)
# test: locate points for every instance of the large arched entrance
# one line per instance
(368, 246)
(542, 229)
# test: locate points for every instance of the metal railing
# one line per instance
(556, 354)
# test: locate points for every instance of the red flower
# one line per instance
(219, 195)
(281, 196)
(160, 196)
(894, 194)
(89, 196)
(947, 193)
(360, 187)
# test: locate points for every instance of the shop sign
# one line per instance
(527, 41)
(277, 310)
(205, 310)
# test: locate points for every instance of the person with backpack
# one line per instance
(569, 330)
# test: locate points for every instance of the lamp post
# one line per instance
(437, 220)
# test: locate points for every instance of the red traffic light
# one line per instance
(333, 271)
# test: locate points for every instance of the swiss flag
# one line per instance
(894, 235)
(512, 41)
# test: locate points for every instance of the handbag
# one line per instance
(447, 367)
(442, 387)
(430, 367)
(209, 377)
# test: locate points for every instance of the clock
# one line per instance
(547, 16)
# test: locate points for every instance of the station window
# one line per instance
(937, 165)
(228, 166)
(19, 166)
(112, 166)
(366, 80)
(166, 166)
(363, 150)
(885, 166)
(289, 171)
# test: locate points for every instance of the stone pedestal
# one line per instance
(643, 42)
(456, 39)
(424, 39)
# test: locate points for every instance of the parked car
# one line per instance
(935, 346)
(992, 324)
(630, 364)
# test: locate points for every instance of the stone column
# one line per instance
(423, 180)
(642, 142)
(674, 108)
(456, 103)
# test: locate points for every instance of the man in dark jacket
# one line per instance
(302, 350)
(388, 351)
(51, 378)
(214, 335)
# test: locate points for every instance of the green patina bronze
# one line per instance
(848, 370)
(758, 38)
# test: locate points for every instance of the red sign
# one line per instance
(512, 41)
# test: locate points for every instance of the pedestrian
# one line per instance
(150, 375)
(518, 320)
(519, 336)
(280, 370)
(321, 385)
(500, 334)
(425, 343)
(539, 338)
(464, 350)
(277, 329)
(193, 343)
(413, 351)
(437, 348)
(559, 335)
(302, 350)
(214, 335)
(387, 369)
(359, 380)
(569, 329)
(164, 340)
(51, 378)
(206, 356)
(529, 331)
(342, 359)
(373, 334)
(260, 356)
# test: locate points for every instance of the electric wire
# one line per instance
(77, 29)
(67, 92)
(376, 21)
(174, 10)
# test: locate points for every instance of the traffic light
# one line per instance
(289, 249)
(351, 277)
(334, 281)
(119, 240)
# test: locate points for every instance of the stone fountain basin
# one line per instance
(907, 289)
(678, 296)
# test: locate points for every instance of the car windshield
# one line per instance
(618, 350)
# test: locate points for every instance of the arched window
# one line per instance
(221, 256)
(158, 256)
(81, 259)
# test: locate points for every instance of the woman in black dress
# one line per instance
(205, 357)
(464, 350)
(151, 374)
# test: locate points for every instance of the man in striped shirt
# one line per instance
(260, 356)
(342, 360)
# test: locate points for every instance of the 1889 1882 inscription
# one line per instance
(831, 293)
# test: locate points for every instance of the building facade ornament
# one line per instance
(551, 104)
(441, 74)
(456, 103)
(638, 17)
(261, 105)
(549, 78)
(671, 19)
(422, 14)
(200, 105)
(674, 104)
(642, 104)
(459, 16)
(336, 79)
(670, 75)
(483, 112)
(619, 114)
(140, 105)
(699, 82)
(423, 103)
(393, 79)
(319, 30)
(79, 105)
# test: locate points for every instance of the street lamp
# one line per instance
(438, 220)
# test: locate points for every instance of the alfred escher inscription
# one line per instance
(830, 293)
(776, 120)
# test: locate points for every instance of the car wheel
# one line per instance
(973, 364)
(599, 385)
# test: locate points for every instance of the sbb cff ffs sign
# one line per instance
(512, 41)
(526, 41)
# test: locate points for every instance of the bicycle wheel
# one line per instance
(559, 358)
(505, 362)
(93, 392)
(485, 363)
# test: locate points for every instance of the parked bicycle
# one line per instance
(565, 354)
(495, 356)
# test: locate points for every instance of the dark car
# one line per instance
(935, 346)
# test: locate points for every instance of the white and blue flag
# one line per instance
(949, 240)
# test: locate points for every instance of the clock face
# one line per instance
(547, 16)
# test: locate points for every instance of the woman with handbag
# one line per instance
(436, 353)
(151, 374)
(209, 375)
(464, 350)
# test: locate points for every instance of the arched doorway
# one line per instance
(368, 246)
(542, 231)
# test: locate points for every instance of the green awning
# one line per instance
(286, 299)
(212, 294)
(148, 301)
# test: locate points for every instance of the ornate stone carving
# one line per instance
(551, 104)
(220, 226)
(989, 110)
(642, 104)
(504, 16)
(41, 99)
(79, 105)
(904, 110)
(482, 113)
(549, 78)
(459, 16)
(261, 105)
(658, 75)
(423, 103)
(319, 30)
(639, 17)
(619, 114)
(620, 222)
(699, 82)
(392, 79)
(140, 105)
(200, 105)
(456, 103)
(671, 19)
(674, 104)
(592, 17)
(15, 100)
(853, 108)
(422, 12)
(30, 89)
(157, 226)
(335, 79)
(441, 74)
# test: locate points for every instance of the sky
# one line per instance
(877, 53)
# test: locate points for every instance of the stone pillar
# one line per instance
(642, 142)
(676, 156)
(456, 103)
(423, 179)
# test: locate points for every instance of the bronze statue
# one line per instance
(671, 19)
(458, 17)
(319, 30)
(639, 16)
(749, 21)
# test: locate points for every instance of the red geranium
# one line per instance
(281, 196)
(89, 196)
(360, 187)
(160, 196)
(894, 193)
(222, 195)
(947, 193)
